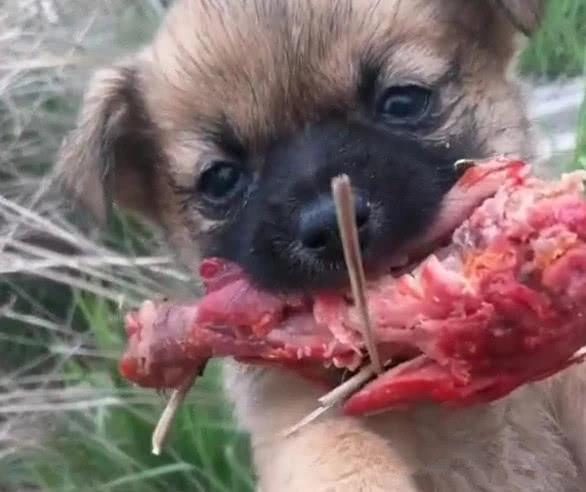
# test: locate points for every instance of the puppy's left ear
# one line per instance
(524, 15)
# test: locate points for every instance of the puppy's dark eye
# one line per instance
(405, 104)
(221, 182)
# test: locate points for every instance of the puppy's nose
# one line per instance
(318, 227)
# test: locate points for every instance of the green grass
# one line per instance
(560, 46)
(100, 428)
(67, 420)
(580, 155)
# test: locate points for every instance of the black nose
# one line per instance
(318, 227)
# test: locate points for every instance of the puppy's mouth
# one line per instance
(478, 183)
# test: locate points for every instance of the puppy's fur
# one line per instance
(263, 81)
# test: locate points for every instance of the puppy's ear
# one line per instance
(111, 154)
(524, 15)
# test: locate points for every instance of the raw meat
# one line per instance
(502, 305)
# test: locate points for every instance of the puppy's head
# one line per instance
(229, 127)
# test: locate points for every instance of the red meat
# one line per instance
(502, 305)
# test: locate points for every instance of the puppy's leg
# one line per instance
(334, 454)
(568, 395)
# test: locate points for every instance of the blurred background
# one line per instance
(67, 420)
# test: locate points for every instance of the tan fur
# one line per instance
(268, 67)
(517, 445)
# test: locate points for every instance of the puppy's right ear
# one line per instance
(111, 155)
(524, 15)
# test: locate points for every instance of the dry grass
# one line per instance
(67, 421)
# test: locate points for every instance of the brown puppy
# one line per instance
(226, 131)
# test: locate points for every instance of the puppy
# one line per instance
(226, 130)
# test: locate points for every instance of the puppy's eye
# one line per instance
(221, 182)
(405, 104)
